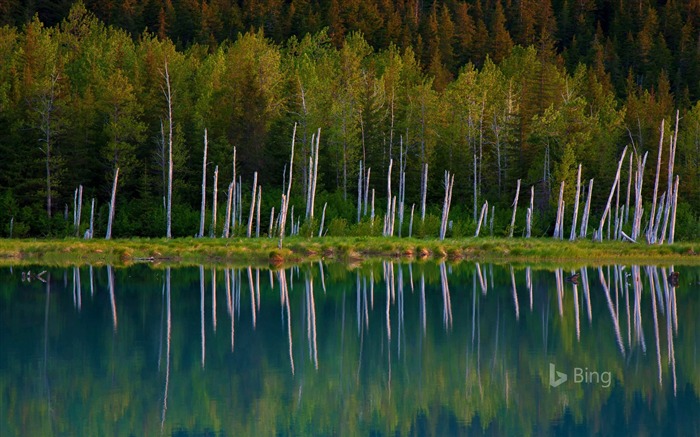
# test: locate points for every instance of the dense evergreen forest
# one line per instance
(491, 91)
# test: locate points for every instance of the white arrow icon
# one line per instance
(556, 378)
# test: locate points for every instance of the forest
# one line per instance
(493, 92)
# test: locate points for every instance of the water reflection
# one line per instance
(434, 357)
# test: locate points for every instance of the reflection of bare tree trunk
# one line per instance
(650, 274)
(528, 282)
(167, 347)
(576, 310)
(447, 304)
(252, 294)
(422, 300)
(515, 293)
(110, 280)
(586, 292)
(616, 322)
(201, 311)
(46, 351)
(213, 298)
(285, 299)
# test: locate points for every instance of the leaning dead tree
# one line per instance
(559, 224)
(252, 204)
(670, 195)
(227, 220)
(449, 183)
(651, 237)
(586, 211)
(515, 209)
(110, 219)
(484, 211)
(598, 235)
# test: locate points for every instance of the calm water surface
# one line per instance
(382, 349)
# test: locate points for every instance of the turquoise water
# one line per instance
(381, 349)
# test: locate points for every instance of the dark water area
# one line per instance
(381, 349)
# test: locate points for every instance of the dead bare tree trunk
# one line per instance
(169, 100)
(484, 210)
(515, 209)
(366, 186)
(227, 221)
(638, 211)
(449, 183)
(313, 187)
(285, 198)
(672, 229)
(323, 218)
(388, 201)
(252, 204)
(530, 213)
(572, 236)
(204, 189)
(410, 224)
(214, 204)
(359, 193)
(599, 233)
(669, 191)
(92, 220)
(559, 225)
(583, 232)
(110, 219)
(651, 238)
(424, 191)
(257, 226)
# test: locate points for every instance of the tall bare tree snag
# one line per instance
(285, 198)
(169, 100)
(359, 193)
(515, 209)
(669, 191)
(572, 236)
(410, 224)
(651, 237)
(227, 221)
(638, 210)
(91, 231)
(629, 190)
(47, 109)
(423, 192)
(559, 225)
(449, 183)
(315, 176)
(110, 219)
(252, 205)
(214, 202)
(530, 213)
(385, 232)
(257, 225)
(366, 186)
(583, 232)
(599, 233)
(204, 189)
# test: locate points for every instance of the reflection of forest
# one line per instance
(387, 347)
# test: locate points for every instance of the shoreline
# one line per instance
(351, 250)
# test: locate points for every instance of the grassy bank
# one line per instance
(263, 251)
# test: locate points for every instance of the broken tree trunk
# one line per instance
(313, 184)
(92, 220)
(366, 185)
(359, 193)
(202, 212)
(599, 234)
(515, 208)
(449, 183)
(669, 191)
(410, 223)
(484, 211)
(572, 236)
(110, 219)
(323, 218)
(629, 190)
(637, 224)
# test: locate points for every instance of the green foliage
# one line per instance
(338, 227)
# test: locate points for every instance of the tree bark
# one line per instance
(586, 211)
(214, 204)
(227, 221)
(572, 236)
(323, 218)
(252, 205)
(257, 225)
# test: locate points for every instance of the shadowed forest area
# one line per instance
(493, 92)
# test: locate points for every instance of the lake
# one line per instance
(383, 348)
